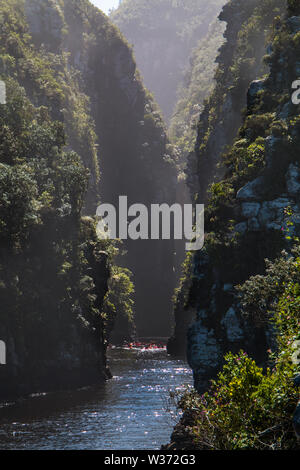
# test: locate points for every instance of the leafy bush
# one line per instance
(260, 294)
(118, 306)
(293, 7)
(247, 407)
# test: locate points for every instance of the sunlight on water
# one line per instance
(131, 411)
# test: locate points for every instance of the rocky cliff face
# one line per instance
(134, 155)
(78, 125)
(246, 213)
(240, 62)
(54, 271)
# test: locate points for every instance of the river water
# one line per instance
(130, 412)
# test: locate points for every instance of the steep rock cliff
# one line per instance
(257, 179)
(78, 125)
(239, 59)
(54, 271)
(133, 153)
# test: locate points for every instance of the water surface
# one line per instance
(130, 412)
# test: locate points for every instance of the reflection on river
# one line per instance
(128, 412)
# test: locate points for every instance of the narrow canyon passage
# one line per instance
(150, 212)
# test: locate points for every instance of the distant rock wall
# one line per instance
(163, 35)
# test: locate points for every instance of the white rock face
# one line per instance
(203, 350)
(2, 92)
(296, 354)
(232, 326)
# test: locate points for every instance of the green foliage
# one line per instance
(18, 203)
(182, 291)
(118, 306)
(247, 407)
(53, 272)
(197, 85)
(240, 62)
(184, 20)
(50, 79)
(266, 134)
(260, 294)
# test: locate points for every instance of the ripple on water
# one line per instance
(128, 412)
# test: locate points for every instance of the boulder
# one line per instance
(228, 287)
(270, 148)
(252, 190)
(285, 110)
(203, 353)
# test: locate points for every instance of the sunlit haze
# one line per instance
(105, 5)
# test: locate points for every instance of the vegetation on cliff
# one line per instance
(197, 85)
(247, 407)
(53, 271)
(74, 103)
(250, 181)
(163, 34)
(249, 25)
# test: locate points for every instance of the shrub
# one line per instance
(247, 407)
